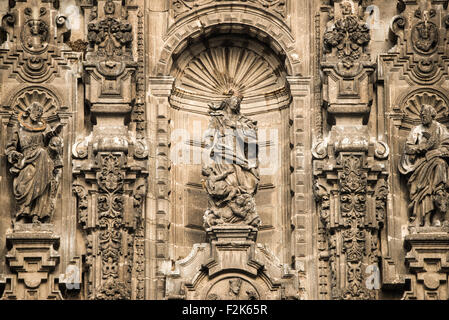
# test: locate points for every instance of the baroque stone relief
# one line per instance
(206, 76)
(349, 35)
(109, 36)
(353, 230)
(34, 150)
(34, 56)
(355, 192)
(350, 178)
(232, 289)
(182, 6)
(420, 30)
(35, 34)
(233, 177)
(415, 100)
(417, 116)
(226, 65)
(251, 273)
(110, 204)
(424, 162)
(425, 34)
(110, 166)
(42, 35)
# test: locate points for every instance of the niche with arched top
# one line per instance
(206, 71)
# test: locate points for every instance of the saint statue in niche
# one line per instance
(35, 151)
(232, 177)
(424, 160)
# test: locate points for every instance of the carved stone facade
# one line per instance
(224, 149)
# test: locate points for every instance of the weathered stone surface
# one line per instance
(332, 114)
(32, 257)
(231, 267)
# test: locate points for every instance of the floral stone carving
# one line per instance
(424, 162)
(182, 6)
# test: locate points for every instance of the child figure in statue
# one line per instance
(34, 150)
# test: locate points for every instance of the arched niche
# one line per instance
(228, 19)
(205, 72)
(208, 70)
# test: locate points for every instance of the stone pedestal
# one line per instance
(231, 267)
(232, 247)
(428, 264)
(233, 233)
(32, 257)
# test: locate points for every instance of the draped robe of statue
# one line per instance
(429, 169)
(29, 150)
(232, 176)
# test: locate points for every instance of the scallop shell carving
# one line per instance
(218, 71)
(413, 105)
(49, 103)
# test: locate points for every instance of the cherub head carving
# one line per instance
(346, 8)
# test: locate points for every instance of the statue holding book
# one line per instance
(424, 161)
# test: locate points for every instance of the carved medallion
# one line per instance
(35, 36)
(182, 6)
(425, 33)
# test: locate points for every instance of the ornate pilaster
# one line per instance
(349, 167)
(110, 163)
